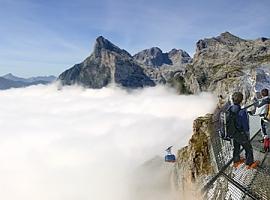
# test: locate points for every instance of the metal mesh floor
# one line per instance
(238, 183)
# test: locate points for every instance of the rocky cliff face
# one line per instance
(194, 162)
(227, 63)
(110, 64)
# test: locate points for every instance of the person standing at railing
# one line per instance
(242, 135)
(263, 110)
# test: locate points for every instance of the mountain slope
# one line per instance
(107, 64)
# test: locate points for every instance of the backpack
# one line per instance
(227, 124)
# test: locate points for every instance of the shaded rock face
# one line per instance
(226, 63)
(106, 64)
(110, 64)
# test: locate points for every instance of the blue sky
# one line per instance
(39, 37)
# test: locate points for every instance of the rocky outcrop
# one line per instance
(110, 64)
(226, 63)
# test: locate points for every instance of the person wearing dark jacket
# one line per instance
(242, 137)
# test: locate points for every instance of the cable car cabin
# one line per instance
(170, 158)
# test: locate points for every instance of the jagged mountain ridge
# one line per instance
(219, 64)
(110, 64)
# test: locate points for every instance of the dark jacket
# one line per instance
(242, 118)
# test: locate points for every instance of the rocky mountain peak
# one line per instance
(107, 64)
(154, 51)
(173, 52)
(224, 39)
(153, 57)
(104, 44)
(227, 34)
(8, 75)
(180, 52)
(229, 39)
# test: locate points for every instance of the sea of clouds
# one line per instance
(82, 144)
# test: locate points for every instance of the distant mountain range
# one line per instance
(10, 81)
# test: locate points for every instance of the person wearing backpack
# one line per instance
(241, 137)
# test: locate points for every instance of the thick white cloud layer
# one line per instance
(82, 144)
